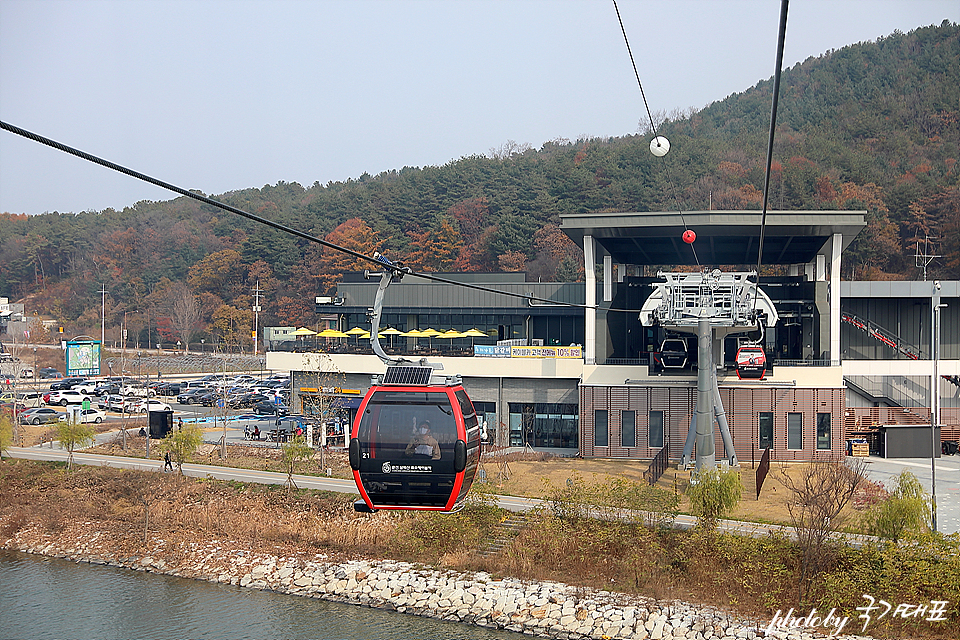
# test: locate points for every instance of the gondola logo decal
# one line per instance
(389, 467)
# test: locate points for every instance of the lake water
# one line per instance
(52, 598)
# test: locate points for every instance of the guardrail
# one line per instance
(657, 466)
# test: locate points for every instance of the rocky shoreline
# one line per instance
(544, 609)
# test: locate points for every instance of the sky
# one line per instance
(225, 95)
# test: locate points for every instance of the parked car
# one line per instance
(112, 402)
(13, 409)
(192, 396)
(40, 415)
(68, 396)
(87, 386)
(92, 415)
(107, 388)
(167, 389)
(135, 390)
(210, 399)
(65, 383)
(30, 398)
(48, 373)
(26, 372)
(268, 408)
(151, 405)
(245, 400)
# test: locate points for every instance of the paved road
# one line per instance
(193, 470)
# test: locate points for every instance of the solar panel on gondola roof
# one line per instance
(408, 375)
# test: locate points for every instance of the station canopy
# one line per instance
(723, 237)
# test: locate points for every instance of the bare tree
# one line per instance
(185, 312)
(818, 496)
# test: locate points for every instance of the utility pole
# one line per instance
(925, 258)
(934, 398)
(103, 303)
(256, 316)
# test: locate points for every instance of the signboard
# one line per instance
(511, 351)
(83, 358)
(546, 352)
(491, 351)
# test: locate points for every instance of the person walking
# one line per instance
(167, 462)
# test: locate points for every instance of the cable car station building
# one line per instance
(589, 379)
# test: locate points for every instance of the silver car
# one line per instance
(112, 402)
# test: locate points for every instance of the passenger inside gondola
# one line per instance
(423, 443)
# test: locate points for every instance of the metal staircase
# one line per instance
(876, 331)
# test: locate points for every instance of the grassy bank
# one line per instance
(752, 576)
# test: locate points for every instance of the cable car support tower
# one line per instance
(710, 305)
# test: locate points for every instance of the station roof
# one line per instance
(723, 237)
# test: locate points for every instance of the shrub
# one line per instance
(906, 511)
(714, 494)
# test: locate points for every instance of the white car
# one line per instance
(87, 386)
(112, 402)
(92, 415)
(152, 405)
(134, 390)
(68, 396)
(26, 372)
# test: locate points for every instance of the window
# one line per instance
(655, 430)
(628, 428)
(600, 428)
(487, 412)
(794, 431)
(823, 431)
(766, 430)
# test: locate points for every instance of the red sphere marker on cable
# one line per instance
(689, 236)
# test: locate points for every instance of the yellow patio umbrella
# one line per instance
(429, 333)
(474, 333)
(357, 331)
(332, 333)
(390, 331)
(451, 334)
(303, 331)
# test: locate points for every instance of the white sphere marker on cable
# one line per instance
(659, 146)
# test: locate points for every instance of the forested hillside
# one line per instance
(872, 126)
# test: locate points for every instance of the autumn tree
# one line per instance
(294, 312)
(219, 273)
(233, 325)
(355, 235)
(435, 249)
(512, 261)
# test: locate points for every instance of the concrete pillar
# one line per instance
(590, 314)
(834, 294)
(607, 278)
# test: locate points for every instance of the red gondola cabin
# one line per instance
(414, 444)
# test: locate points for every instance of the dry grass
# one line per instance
(528, 478)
